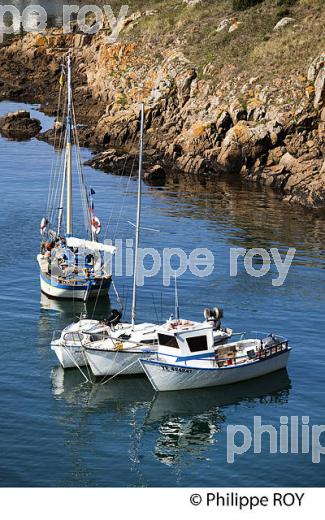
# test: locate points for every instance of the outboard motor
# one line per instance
(215, 315)
(114, 317)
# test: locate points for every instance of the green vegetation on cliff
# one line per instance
(252, 45)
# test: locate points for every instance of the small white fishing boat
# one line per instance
(69, 346)
(121, 352)
(188, 358)
(71, 268)
(104, 354)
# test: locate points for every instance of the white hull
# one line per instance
(69, 347)
(111, 363)
(167, 377)
(70, 356)
(69, 294)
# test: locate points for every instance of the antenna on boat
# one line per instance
(68, 148)
(138, 223)
(176, 298)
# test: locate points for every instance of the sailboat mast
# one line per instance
(61, 202)
(138, 223)
(68, 151)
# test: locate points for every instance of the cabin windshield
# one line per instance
(197, 344)
(99, 336)
(167, 341)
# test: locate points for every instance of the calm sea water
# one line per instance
(58, 431)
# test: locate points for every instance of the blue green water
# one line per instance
(55, 430)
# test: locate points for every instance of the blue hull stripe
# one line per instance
(232, 367)
(79, 287)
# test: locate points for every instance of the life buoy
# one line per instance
(96, 225)
(43, 226)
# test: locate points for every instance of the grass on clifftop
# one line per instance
(254, 48)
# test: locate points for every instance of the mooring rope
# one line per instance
(120, 372)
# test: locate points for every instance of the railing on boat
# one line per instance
(263, 353)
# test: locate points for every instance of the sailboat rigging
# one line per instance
(71, 267)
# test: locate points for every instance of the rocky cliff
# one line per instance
(245, 115)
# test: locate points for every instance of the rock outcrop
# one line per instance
(120, 162)
(284, 22)
(199, 123)
(19, 125)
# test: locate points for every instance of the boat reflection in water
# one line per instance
(99, 309)
(125, 392)
(187, 425)
(184, 424)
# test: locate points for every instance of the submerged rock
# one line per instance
(156, 175)
(19, 125)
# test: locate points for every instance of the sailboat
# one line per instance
(109, 338)
(71, 268)
(119, 354)
(112, 347)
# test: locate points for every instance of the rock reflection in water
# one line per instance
(257, 215)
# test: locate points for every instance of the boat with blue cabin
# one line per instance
(188, 357)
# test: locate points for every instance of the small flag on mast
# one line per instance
(95, 222)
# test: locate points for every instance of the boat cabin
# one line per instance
(183, 339)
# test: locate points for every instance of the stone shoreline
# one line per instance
(192, 128)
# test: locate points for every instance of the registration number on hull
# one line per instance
(176, 369)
